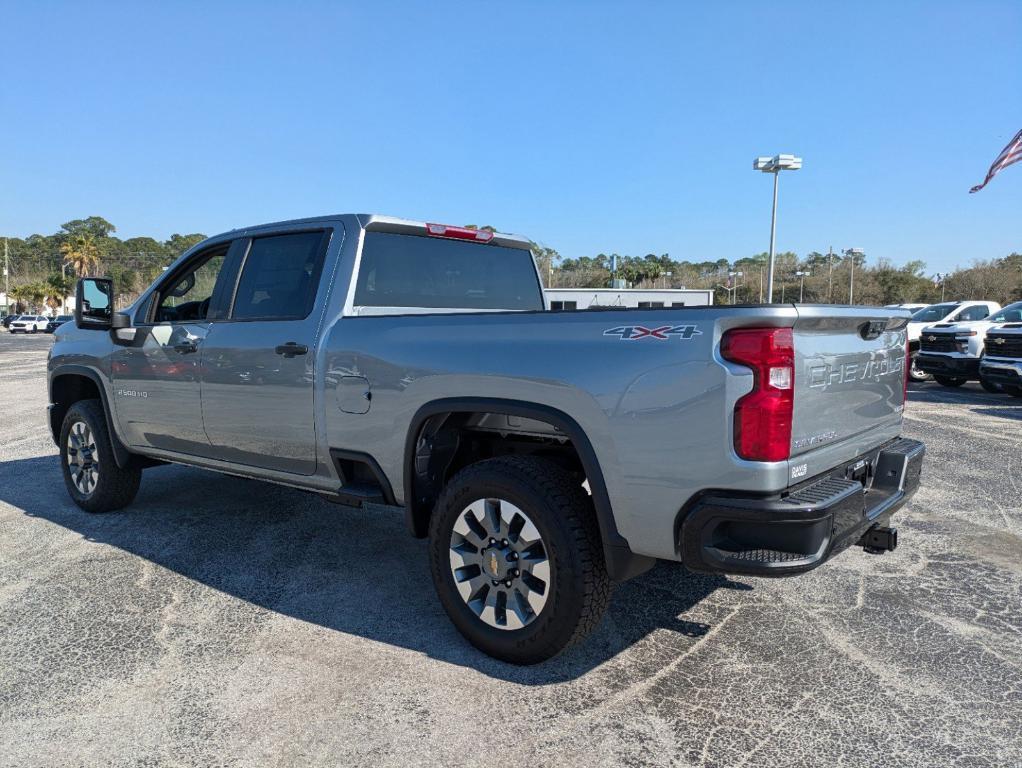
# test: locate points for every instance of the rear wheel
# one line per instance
(516, 558)
(949, 381)
(91, 475)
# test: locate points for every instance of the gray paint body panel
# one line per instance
(658, 413)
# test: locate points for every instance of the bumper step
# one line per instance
(782, 535)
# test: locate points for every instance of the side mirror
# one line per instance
(94, 303)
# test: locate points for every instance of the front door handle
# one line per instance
(186, 347)
(291, 349)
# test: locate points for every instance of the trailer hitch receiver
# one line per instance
(878, 540)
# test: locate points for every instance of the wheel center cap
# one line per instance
(495, 564)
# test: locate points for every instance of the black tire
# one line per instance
(949, 381)
(111, 487)
(914, 374)
(989, 386)
(579, 588)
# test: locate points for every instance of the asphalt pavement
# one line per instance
(222, 621)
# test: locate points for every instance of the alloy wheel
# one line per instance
(500, 564)
(82, 458)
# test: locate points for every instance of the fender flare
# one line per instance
(621, 562)
(122, 455)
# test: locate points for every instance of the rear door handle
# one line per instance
(291, 349)
(186, 347)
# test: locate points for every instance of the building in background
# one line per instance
(652, 298)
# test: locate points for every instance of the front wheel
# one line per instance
(949, 381)
(516, 558)
(91, 475)
(989, 386)
(915, 374)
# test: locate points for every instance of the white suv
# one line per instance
(29, 324)
(945, 312)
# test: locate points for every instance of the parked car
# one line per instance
(57, 321)
(945, 312)
(8, 319)
(1001, 366)
(28, 324)
(544, 454)
(952, 352)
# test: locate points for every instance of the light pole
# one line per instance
(851, 253)
(801, 285)
(732, 282)
(775, 165)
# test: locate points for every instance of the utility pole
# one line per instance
(830, 279)
(7, 280)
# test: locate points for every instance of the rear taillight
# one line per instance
(459, 233)
(763, 417)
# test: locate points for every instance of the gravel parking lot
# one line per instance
(221, 621)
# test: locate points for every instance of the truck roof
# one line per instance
(381, 223)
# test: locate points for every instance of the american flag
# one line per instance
(1010, 154)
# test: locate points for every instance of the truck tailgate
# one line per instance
(849, 374)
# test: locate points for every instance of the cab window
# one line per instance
(280, 277)
(977, 312)
(186, 298)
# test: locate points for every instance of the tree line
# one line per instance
(813, 278)
(43, 269)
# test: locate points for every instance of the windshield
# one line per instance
(1010, 314)
(933, 313)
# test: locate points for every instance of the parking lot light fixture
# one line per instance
(775, 165)
(801, 275)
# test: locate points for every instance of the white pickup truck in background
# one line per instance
(952, 352)
(1001, 366)
(944, 312)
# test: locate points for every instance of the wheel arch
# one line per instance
(621, 562)
(68, 385)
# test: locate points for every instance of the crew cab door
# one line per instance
(258, 374)
(156, 369)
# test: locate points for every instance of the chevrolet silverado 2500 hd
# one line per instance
(544, 454)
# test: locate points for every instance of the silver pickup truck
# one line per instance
(546, 455)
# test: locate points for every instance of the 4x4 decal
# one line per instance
(664, 332)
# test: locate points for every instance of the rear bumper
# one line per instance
(1006, 372)
(785, 535)
(945, 365)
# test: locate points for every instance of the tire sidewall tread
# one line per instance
(116, 487)
(563, 514)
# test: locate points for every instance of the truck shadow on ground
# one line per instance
(353, 571)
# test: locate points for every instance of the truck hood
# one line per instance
(979, 326)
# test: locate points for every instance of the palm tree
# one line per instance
(81, 252)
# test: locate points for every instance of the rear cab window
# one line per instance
(414, 272)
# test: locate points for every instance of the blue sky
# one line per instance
(627, 127)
